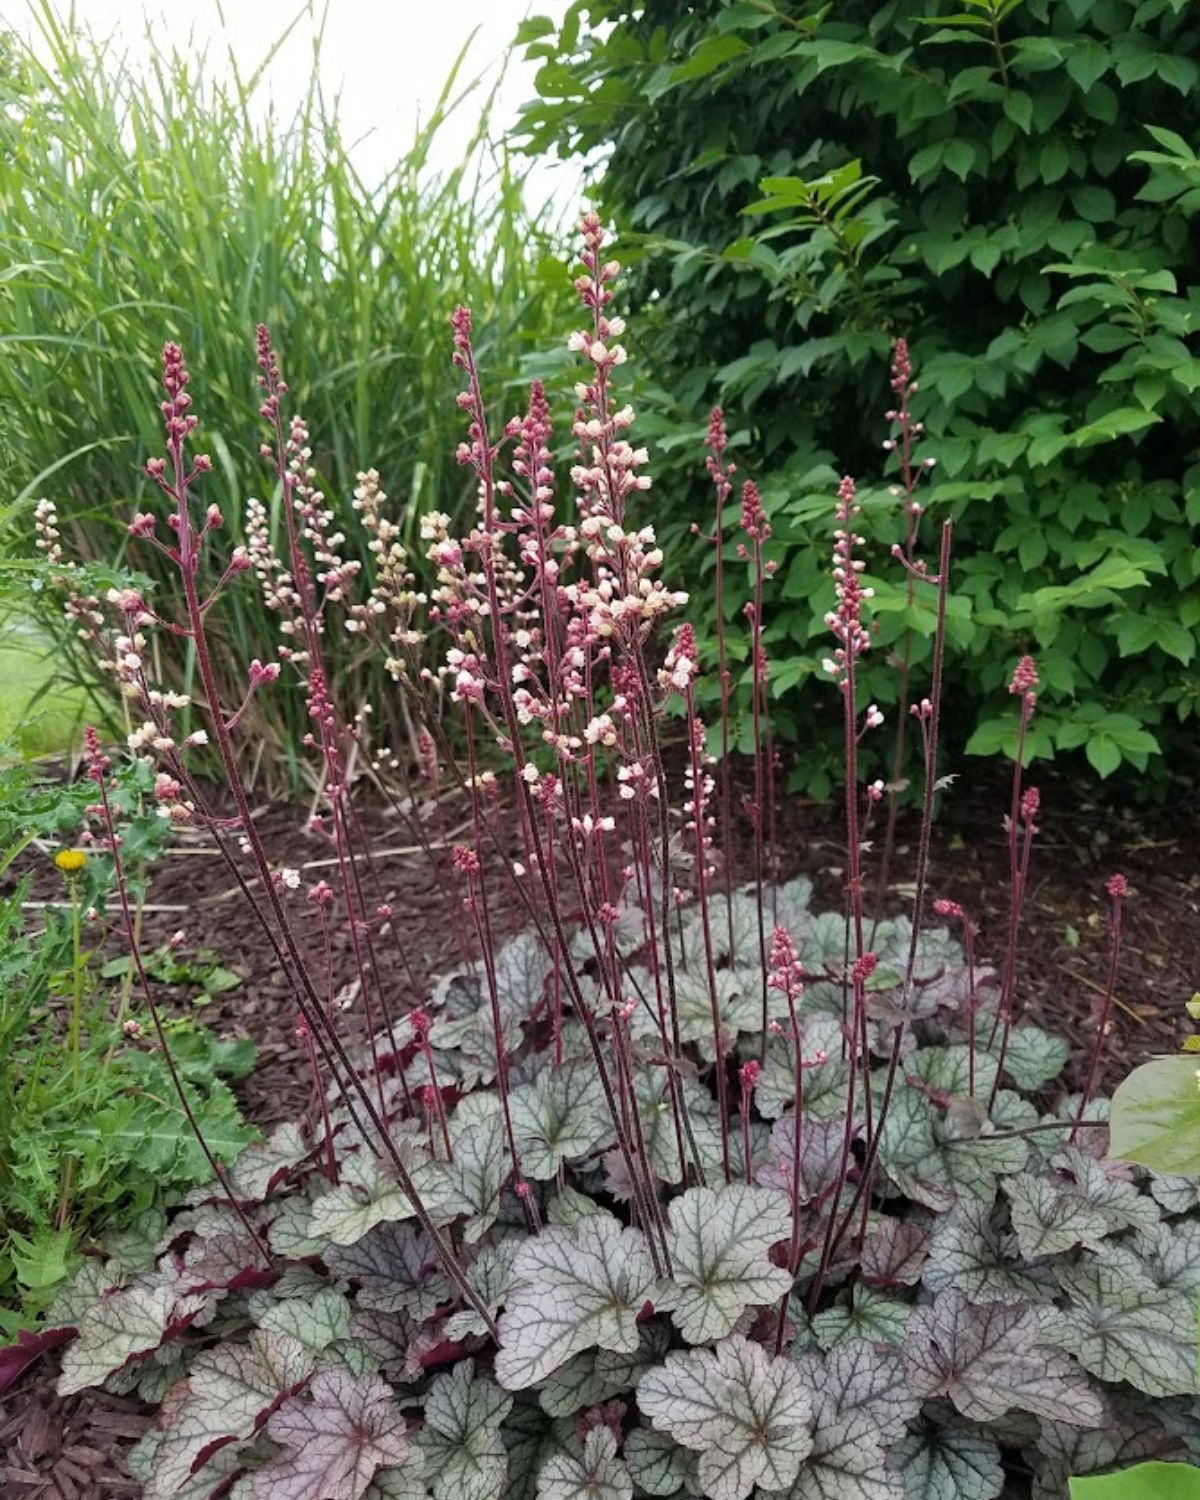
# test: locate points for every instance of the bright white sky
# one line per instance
(388, 59)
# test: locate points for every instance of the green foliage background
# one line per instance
(141, 204)
(1014, 186)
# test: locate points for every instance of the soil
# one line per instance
(75, 1448)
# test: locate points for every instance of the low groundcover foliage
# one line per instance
(1017, 1302)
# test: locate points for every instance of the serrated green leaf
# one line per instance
(598, 1474)
(465, 1457)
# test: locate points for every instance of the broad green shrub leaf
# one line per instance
(231, 1390)
(599, 1474)
(465, 1457)
(573, 1290)
(747, 1415)
(719, 1242)
(948, 1463)
(598, 1375)
(861, 1405)
(1122, 1327)
(990, 1360)
(657, 1464)
(334, 1438)
(395, 1268)
(1143, 1482)
(561, 1115)
(1155, 1117)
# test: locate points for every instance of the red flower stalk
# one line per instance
(1117, 888)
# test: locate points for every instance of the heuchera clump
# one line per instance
(686, 1189)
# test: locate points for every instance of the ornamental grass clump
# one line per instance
(682, 1188)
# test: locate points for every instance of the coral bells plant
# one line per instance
(684, 1188)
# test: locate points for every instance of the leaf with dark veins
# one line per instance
(121, 1326)
(861, 1404)
(231, 1391)
(560, 1116)
(333, 1439)
(600, 1374)
(573, 1290)
(395, 1268)
(719, 1242)
(895, 1254)
(988, 1360)
(465, 1458)
(1122, 1327)
(747, 1415)
(971, 1254)
(947, 1462)
(598, 1474)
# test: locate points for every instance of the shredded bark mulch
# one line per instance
(74, 1448)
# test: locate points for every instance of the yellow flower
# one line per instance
(70, 861)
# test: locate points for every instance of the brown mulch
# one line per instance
(74, 1448)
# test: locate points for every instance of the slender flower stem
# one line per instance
(931, 724)
(1117, 889)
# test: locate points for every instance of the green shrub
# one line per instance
(136, 203)
(1014, 187)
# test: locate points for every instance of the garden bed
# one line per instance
(73, 1447)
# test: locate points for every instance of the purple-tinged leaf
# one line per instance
(1170, 1255)
(861, 1405)
(820, 1156)
(895, 1254)
(824, 1083)
(719, 1242)
(16, 1358)
(395, 1268)
(465, 1457)
(971, 1254)
(573, 1290)
(747, 1415)
(229, 1394)
(599, 1473)
(988, 1360)
(1108, 1185)
(333, 1439)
